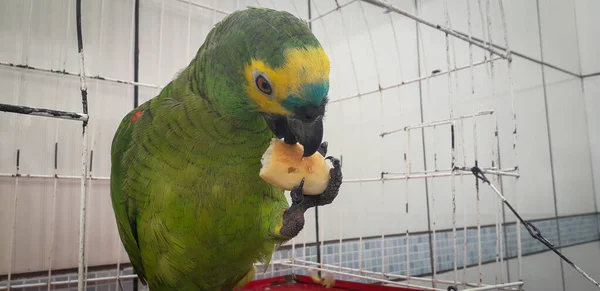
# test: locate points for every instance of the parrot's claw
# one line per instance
(335, 181)
(296, 193)
(293, 217)
(323, 148)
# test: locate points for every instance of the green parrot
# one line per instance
(191, 209)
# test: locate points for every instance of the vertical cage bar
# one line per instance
(133, 67)
(433, 220)
(304, 247)
(14, 219)
(447, 30)
(189, 29)
(160, 42)
(496, 148)
(18, 92)
(383, 261)
(475, 142)
(50, 244)
(475, 154)
(318, 230)
(214, 12)
(432, 190)
(464, 195)
(12, 233)
(320, 244)
(514, 124)
(93, 131)
(55, 185)
(408, 169)
(83, 197)
(395, 38)
(453, 149)
(135, 48)
(340, 216)
(353, 66)
(377, 75)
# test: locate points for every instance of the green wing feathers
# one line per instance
(124, 205)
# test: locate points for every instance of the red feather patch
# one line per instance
(136, 116)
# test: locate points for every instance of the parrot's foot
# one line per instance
(335, 181)
(293, 218)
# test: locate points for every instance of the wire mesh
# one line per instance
(301, 257)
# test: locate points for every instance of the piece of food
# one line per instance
(284, 167)
(327, 281)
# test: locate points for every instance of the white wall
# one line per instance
(570, 146)
(541, 271)
(586, 30)
(591, 88)
(585, 256)
(556, 114)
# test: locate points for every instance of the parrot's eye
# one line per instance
(263, 85)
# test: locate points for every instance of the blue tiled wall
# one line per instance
(529, 245)
(576, 229)
(367, 254)
(573, 230)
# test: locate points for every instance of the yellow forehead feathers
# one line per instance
(302, 66)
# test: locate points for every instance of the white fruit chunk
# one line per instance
(284, 167)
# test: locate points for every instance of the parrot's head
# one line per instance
(292, 97)
(282, 73)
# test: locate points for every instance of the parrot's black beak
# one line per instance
(305, 127)
(308, 133)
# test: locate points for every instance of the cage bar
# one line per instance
(55, 170)
(438, 122)
(433, 173)
(431, 190)
(497, 286)
(44, 112)
(392, 276)
(309, 265)
(14, 205)
(361, 277)
(453, 149)
(13, 224)
(514, 123)
(360, 130)
(338, 7)
(447, 31)
(409, 174)
(463, 192)
(429, 175)
(57, 176)
(377, 74)
(81, 273)
(66, 73)
(433, 75)
(54, 195)
(496, 145)
(211, 8)
(341, 150)
(93, 139)
(66, 282)
(475, 142)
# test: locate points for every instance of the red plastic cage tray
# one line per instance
(298, 282)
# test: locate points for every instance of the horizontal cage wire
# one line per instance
(425, 132)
